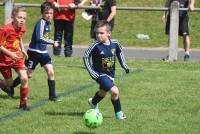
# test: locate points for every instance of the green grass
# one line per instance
(128, 25)
(164, 99)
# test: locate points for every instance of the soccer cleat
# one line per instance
(9, 91)
(92, 105)
(24, 108)
(56, 99)
(5, 90)
(186, 57)
(120, 115)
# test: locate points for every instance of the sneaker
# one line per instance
(120, 115)
(24, 108)
(186, 57)
(92, 105)
(56, 99)
(5, 90)
(166, 58)
(9, 91)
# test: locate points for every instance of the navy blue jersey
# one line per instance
(41, 37)
(103, 59)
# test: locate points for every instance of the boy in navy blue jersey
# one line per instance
(102, 68)
(37, 51)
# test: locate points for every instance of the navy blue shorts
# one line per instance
(34, 58)
(105, 83)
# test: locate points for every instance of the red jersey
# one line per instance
(10, 39)
(64, 13)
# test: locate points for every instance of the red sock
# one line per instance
(23, 96)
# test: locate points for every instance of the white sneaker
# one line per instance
(120, 115)
(92, 105)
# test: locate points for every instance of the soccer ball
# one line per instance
(92, 118)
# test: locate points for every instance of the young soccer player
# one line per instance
(102, 66)
(12, 54)
(37, 51)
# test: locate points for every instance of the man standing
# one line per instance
(183, 23)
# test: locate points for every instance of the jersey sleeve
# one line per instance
(39, 34)
(120, 56)
(3, 36)
(86, 59)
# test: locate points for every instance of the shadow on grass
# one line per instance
(65, 113)
(77, 66)
(83, 132)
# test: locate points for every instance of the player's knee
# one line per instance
(30, 76)
(50, 74)
(102, 93)
(24, 81)
(114, 93)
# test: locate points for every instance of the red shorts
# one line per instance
(6, 70)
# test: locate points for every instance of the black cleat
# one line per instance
(24, 108)
(5, 90)
(56, 99)
(9, 91)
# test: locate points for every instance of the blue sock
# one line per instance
(116, 105)
(96, 99)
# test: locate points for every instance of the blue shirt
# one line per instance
(103, 59)
(41, 37)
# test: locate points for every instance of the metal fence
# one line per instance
(174, 11)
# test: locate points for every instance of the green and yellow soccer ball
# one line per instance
(92, 118)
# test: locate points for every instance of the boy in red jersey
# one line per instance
(12, 54)
(64, 25)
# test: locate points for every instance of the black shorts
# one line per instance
(183, 25)
(34, 58)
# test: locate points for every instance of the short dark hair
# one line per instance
(46, 6)
(103, 23)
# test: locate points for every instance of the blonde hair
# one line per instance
(17, 9)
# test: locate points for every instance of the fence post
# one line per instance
(173, 35)
(8, 10)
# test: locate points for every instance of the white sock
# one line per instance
(187, 52)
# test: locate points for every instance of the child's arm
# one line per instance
(23, 49)
(121, 58)
(86, 59)
(9, 53)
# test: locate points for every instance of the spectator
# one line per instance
(183, 23)
(64, 22)
(107, 13)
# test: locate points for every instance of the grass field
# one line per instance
(164, 99)
(128, 25)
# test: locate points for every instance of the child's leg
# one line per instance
(115, 99)
(98, 96)
(24, 88)
(186, 43)
(51, 81)
(7, 74)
